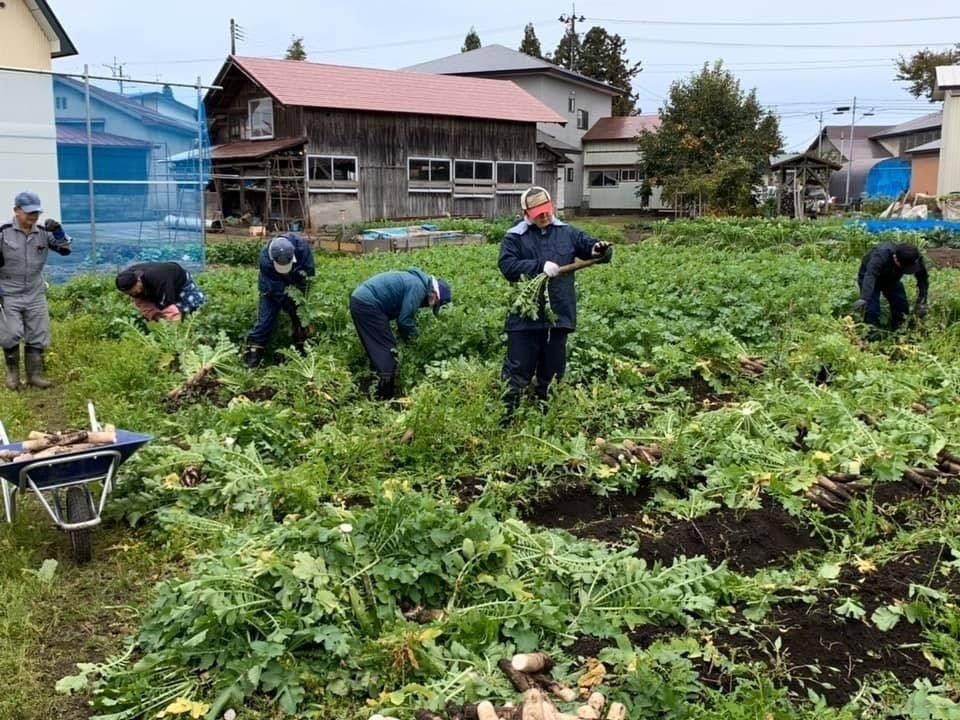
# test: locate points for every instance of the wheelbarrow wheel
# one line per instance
(79, 510)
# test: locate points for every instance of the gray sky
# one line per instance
(179, 40)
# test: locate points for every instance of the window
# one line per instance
(628, 175)
(473, 177)
(569, 174)
(602, 178)
(261, 118)
(572, 104)
(331, 173)
(428, 175)
(583, 120)
(514, 176)
(61, 102)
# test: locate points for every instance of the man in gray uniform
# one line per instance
(24, 246)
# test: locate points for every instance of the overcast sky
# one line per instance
(179, 40)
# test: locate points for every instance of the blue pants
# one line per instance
(191, 297)
(267, 316)
(540, 353)
(376, 336)
(896, 295)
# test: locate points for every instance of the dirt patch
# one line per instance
(575, 508)
(944, 257)
(747, 539)
(703, 393)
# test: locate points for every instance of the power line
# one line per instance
(770, 23)
(718, 43)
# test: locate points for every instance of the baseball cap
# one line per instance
(27, 201)
(282, 253)
(442, 291)
(536, 201)
(909, 258)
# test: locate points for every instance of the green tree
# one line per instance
(567, 52)
(296, 50)
(714, 141)
(920, 69)
(530, 44)
(603, 57)
(471, 41)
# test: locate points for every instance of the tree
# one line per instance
(603, 57)
(568, 49)
(296, 50)
(920, 69)
(530, 44)
(714, 141)
(471, 41)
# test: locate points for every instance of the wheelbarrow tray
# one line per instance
(90, 464)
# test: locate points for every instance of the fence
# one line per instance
(124, 172)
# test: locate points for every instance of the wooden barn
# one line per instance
(303, 144)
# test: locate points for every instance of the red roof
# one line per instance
(297, 82)
(621, 128)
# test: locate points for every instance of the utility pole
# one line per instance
(571, 21)
(820, 134)
(117, 71)
(853, 124)
(236, 33)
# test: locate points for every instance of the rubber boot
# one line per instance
(253, 356)
(386, 389)
(12, 356)
(33, 359)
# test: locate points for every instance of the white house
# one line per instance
(948, 90)
(610, 156)
(30, 37)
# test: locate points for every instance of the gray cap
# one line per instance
(282, 253)
(28, 201)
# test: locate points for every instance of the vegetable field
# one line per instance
(734, 507)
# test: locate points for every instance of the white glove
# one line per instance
(551, 269)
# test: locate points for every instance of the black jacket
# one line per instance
(162, 281)
(524, 250)
(878, 271)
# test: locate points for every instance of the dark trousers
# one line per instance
(540, 353)
(373, 327)
(267, 316)
(896, 295)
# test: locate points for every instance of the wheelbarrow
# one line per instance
(63, 483)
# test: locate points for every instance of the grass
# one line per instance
(83, 612)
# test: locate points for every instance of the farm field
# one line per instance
(288, 547)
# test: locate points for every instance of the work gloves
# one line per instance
(61, 241)
(551, 269)
(860, 305)
(599, 249)
(921, 310)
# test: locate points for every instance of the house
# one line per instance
(294, 142)
(30, 38)
(947, 88)
(834, 143)
(610, 157)
(130, 144)
(165, 103)
(578, 99)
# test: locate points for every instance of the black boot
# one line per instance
(33, 359)
(386, 388)
(12, 356)
(253, 356)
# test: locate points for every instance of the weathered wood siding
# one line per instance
(382, 144)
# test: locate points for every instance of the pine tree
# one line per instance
(714, 141)
(530, 44)
(567, 52)
(471, 41)
(920, 69)
(296, 50)
(603, 57)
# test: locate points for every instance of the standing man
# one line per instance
(24, 316)
(881, 271)
(161, 290)
(542, 244)
(284, 261)
(392, 296)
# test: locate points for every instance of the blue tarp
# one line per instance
(880, 225)
(888, 178)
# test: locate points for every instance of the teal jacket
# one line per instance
(398, 295)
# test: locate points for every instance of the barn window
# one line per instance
(602, 178)
(473, 177)
(569, 174)
(514, 176)
(331, 173)
(628, 175)
(428, 174)
(261, 118)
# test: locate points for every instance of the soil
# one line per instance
(703, 394)
(944, 257)
(575, 508)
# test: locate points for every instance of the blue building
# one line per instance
(131, 142)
